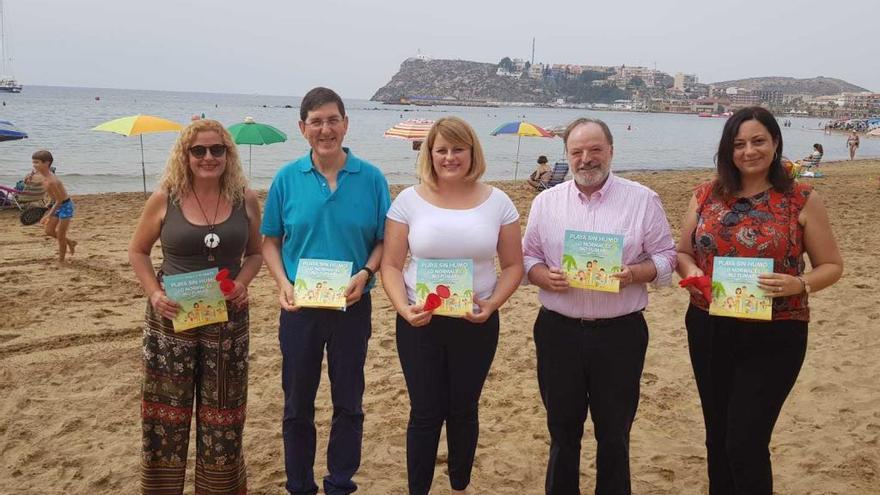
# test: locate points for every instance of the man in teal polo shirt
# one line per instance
(331, 205)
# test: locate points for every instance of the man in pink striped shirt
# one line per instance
(591, 345)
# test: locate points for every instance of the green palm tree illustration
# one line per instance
(568, 263)
(718, 290)
(422, 290)
(300, 284)
(467, 294)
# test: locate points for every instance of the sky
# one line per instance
(275, 47)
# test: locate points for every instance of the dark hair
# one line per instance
(729, 180)
(585, 120)
(542, 159)
(819, 148)
(318, 97)
(43, 156)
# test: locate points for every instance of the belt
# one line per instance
(588, 322)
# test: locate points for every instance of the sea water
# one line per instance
(59, 119)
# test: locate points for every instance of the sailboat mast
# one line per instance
(2, 40)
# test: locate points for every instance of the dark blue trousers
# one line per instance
(304, 335)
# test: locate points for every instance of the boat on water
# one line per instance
(716, 115)
(8, 84)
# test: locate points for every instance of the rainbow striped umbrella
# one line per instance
(410, 130)
(521, 129)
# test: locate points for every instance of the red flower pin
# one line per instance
(702, 283)
(432, 302)
(442, 291)
(226, 285)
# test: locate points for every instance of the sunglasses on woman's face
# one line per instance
(199, 151)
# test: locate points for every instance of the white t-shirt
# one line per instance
(441, 233)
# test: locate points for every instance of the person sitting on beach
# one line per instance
(813, 159)
(182, 368)
(745, 368)
(541, 174)
(446, 360)
(57, 218)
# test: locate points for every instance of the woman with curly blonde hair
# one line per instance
(205, 217)
(178, 177)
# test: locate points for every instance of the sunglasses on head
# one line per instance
(199, 151)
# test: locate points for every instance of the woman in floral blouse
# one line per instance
(745, 368)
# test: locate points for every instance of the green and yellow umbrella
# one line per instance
(138, 125)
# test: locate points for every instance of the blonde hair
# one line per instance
(177, 178)
(458, 133)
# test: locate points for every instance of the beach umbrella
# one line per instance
(138, 125)
(410, 130)
(557, 130)
(252, 133)
(520, 129)
(9, 132)
(413, 130)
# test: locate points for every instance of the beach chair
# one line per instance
(811, 161)
(557, 176)
(30, 201)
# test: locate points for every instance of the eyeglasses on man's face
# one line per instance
(199, 151)
(317, 124)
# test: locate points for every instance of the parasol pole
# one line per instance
(516, 167)
(143, 167)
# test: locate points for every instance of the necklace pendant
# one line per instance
(212, 240)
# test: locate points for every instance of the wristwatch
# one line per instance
(806, 286)
(370, 272)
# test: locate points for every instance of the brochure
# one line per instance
(589, 258)
(447, 286)
(199, 296)
(735, 291)
(321, 283)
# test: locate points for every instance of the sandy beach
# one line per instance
(70, 370)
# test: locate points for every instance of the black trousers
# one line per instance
(744, 371)
(445, 364)
(589, 366)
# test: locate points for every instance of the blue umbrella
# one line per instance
(9, 132)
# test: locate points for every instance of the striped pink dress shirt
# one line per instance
(621, 206)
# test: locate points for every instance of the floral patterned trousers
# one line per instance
(207, 364)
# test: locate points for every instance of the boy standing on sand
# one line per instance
(57, 219)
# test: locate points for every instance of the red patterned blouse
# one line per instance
(761, 226)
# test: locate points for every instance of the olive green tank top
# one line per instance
(183, 243)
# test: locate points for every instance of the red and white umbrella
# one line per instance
(410, 130)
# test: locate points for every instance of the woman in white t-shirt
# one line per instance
(445, 360)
